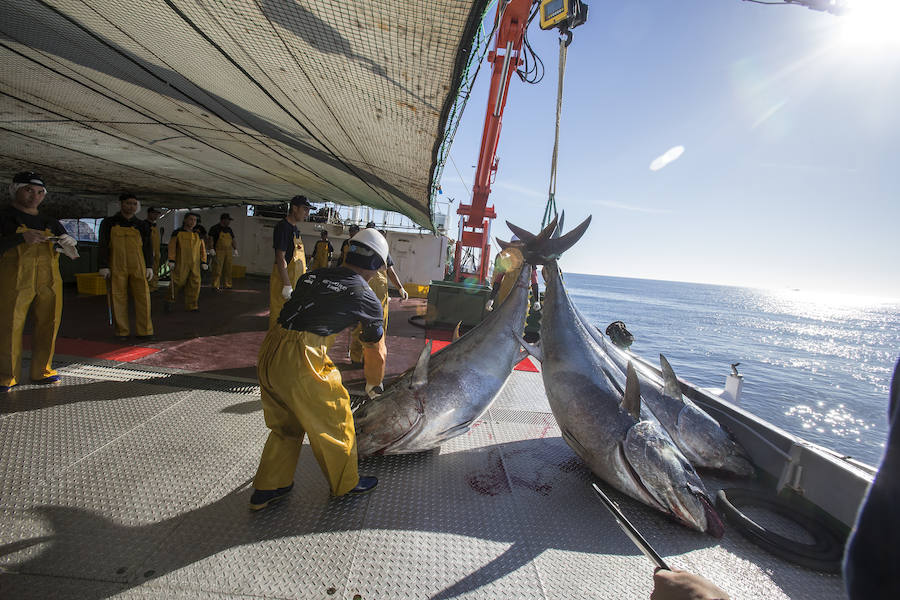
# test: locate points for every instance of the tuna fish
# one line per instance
(445, 393)
(700, 437)
(605, 424)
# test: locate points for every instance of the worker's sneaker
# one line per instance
(366, 484)
(262, 498)
(46, 380)
(146, 338)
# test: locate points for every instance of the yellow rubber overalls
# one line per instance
(128, 274)
(155, 243)
(188, 251)
(379, 284)
(30, 276)
(295, 269)
(222, 264)
(320, 255)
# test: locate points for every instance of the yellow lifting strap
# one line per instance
(564, 40)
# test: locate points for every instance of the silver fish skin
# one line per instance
(631, 453)
(445, 393)
(699, 436)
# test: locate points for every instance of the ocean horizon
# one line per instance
(817, 365)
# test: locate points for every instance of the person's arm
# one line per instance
(146, 243)
(392, 275)
(10, 239)
(103, 243)
(233, 239)
(281, 266)
(202, 252)
(681, 585)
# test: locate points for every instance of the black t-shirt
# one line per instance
(326, 301)
(283, 238)
(216, 229)
(10, 220)
(117, 219)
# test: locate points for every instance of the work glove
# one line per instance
(536, 306)
(104, 273)
(234, 252)
(66, 241)
(489, 306)
(286, 292)
(211, 252)
(404, 295)
(373, 391)
(171, 264)
(149, 274)
(204, 266)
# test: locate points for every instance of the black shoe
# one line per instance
(366, 484)
(195, 310)
(122, 338)
(146, 338)
(262, 498)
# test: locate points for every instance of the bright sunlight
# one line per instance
(871, 24)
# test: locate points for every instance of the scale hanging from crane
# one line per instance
(506, 57)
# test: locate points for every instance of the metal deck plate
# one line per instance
(134, 482)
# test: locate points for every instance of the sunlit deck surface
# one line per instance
(131, 479)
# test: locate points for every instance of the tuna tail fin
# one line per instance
(543, 248)
(671, 387)
(456, 331)
(631, 401)
(529, 348)
(420, 374)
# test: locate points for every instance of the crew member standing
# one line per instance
(224, 248)
(125, 251)
(322, 252)
(156, 234)
(379, 284)
(29, 270)
(302, 393)
(290, 257)
(354, 229)
(187, 256)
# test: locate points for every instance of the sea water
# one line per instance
(816, 366)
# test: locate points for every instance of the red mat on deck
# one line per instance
(102, 350)
(524, 364)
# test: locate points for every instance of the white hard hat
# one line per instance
(364, 244)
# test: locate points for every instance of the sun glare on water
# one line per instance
(872, 25)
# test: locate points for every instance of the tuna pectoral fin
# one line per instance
(631, 401)
(420, 374)
(456, 331)
(672, 388)
(573, 443)
(529, 348)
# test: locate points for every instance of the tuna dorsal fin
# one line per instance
(420, 374)
(529, 348)
(631, 402)
(671, 387)
(456, 331)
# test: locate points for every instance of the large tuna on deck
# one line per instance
(444, 393)
(603, 423)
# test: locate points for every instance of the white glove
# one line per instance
(149, 274)
(211, 252)
(66, 241)
(373, 391)
(286, 292)
(489, 305)
(204, 266)
(104, 273)
(171, 264)
(536, 306)
(234, 252)
(404, 295)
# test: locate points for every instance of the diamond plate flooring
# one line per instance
(132, 482)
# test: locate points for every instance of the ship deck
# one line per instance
(131, 480)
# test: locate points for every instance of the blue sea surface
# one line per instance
(817, 366)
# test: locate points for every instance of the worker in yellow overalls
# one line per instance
(156, 233)
(29, 272)
(354, 229)
(290, 257)
(224, 248)
(187, 256)
(379, 284)
(322, 252)
(124, 255)
(301, 390)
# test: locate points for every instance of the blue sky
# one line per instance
(790, 133)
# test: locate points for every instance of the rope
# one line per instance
(564, 41)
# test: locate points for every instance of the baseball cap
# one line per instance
(301, 201)
(29, 177)
(226, 216)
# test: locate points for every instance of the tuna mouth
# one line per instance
(714, 525)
